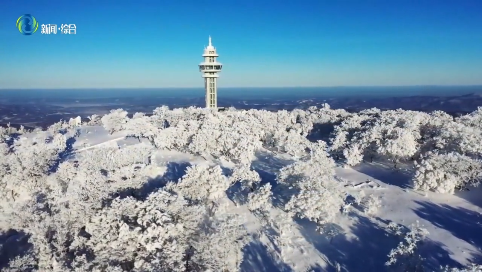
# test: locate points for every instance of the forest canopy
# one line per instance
(115, 209)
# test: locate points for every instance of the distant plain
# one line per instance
(32, 108)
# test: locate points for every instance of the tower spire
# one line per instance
(210, 41)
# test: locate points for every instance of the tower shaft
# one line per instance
(210, 69)
(210, 85)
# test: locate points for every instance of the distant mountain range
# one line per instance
(451, 104)
(46, 111)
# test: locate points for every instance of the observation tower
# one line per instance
(210, 69)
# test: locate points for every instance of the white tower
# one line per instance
(210, 69)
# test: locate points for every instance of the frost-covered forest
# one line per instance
(242, 190)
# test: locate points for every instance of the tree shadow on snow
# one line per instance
(174, 171)
(472, 195)
(10, 140)
(13, 243)
(267, 165)
(475, 258)
(257, 255)
(257, 258)
(462, 223)
(321, 132)
(282, 193)
(368, 248)
(268, 162)
(63, 155)
(385, 174)
(239, 194)
(267, 177)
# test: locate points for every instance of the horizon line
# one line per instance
(241, 87)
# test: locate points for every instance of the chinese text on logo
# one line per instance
(63, 29)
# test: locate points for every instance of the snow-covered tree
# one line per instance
(473, 119)
(469, 268)
(115, 120)
(405, 256)
(140, 126)
(370, 204)
(151, 235)
(320, 198)
(444, 173)
(94, 120)
(243, 173)
(220, 246)
(75, 122)
(203, 183)
(58, 127)
(260, 200)
(114, 208)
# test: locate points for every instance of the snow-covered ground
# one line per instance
(138, 195)
(454, 224)
(95, 136)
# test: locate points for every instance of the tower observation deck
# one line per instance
(210, 69)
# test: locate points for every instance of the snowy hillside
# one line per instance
(198, 190)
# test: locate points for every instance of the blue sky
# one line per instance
(155, 43)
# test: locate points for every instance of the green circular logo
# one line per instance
(27, 24)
